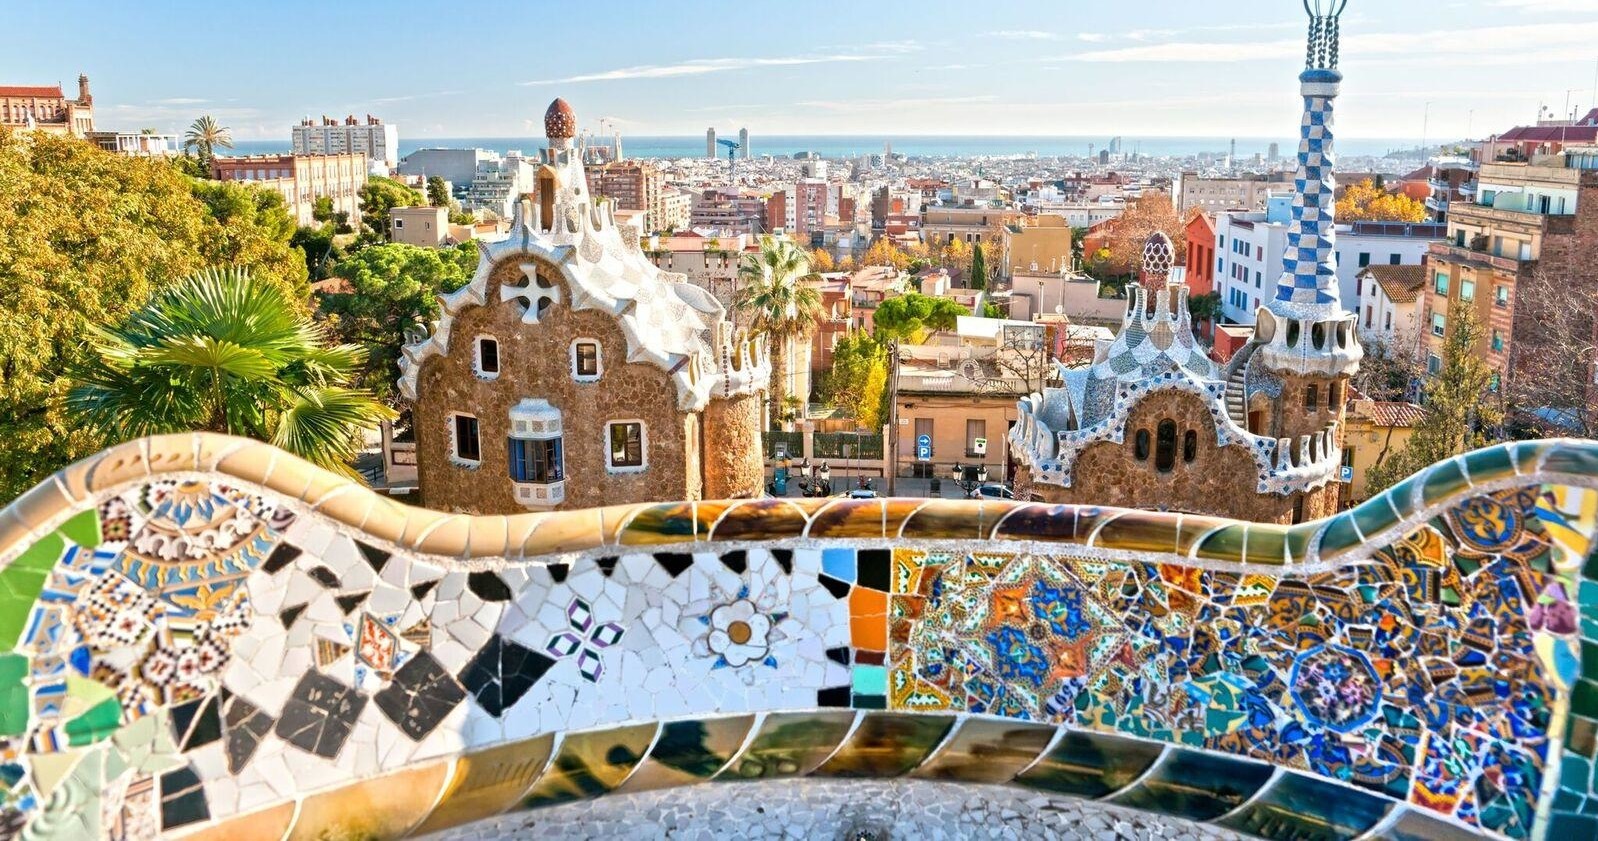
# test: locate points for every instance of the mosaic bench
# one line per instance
(208, 638)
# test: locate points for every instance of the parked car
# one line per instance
(993, 492)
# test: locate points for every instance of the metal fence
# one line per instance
(793, 441)
(847, 445)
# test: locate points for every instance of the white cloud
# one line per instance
(178, 100)
(1547, 5)
(1023, 35)
(1092, 37)
(1470, 46)
(700, 66)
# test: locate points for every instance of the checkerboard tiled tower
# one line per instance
(1305, 328)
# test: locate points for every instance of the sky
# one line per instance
(1044, 67)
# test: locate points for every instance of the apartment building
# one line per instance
(302, 179)
(1537, 216)
(1217, 194)
(1390, 304)
(426, 227)
(632, 185)
(377, 140)
(1040, 243)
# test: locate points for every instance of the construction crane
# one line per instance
(732, 161)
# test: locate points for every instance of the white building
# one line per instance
(377, 140)
(1249, 248)
(457, 166)
(498, 182)
(1390, 299)
(136, 144)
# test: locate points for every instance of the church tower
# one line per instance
(1304, 336)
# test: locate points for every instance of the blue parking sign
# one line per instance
(923, 448)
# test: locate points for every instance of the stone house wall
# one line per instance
(535, 362)
(733, 467)
(1215, 482)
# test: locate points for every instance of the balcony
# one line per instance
(1436, 205)
(540, 494)
(1477, 257)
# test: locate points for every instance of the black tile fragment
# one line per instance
(784, 559)
(320, 714)
(325, 577)
(374, 556)
(502, 672)
(838, 589)
(420, 696)
(281, 557)
(674, 563)
(488, 586)
(874, 568)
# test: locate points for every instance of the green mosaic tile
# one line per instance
(1374, 516)
(1489, 464)
(13, 694)
(100, 721)
(21, 583)
(83, 529)
(1589, 660)
(1401, 496)
(1338, 537)
(1584, 698)
(1580, 460)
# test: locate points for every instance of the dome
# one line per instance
(1158, 255)
(560, 121)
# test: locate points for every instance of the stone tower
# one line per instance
(1304, 335)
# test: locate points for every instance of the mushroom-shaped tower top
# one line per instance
(1158, 255)
(560, 121)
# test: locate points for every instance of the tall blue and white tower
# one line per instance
(1305, 330)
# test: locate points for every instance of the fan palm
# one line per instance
(203, 136)
(778, 303)
(222, 352)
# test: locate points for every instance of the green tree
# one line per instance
(223, 352)
(1205, 307)
(380, 195)
(780, 305)
(992, 310)
(386, 288)
(1461, 408)
(251, 228)
(322, 208)
(437, 192)
(979, 267)
(204, 136)
(908, 317)
(857, 381)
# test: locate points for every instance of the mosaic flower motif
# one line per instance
(585, 638)
(740, 632)
(1018, 658)
(1337, 688)
(1061, 608)
(1553, 611)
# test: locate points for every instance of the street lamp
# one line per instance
(970, 477)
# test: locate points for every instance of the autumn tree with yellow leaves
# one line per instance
(1366, 202)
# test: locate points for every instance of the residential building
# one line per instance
(963, 399)
(457, 166)
(808, 208)
(137, 144)
(302, 179)
(1213, 195)
(1199, 237)
(723, 210)
(836, 320)
(1249, 245)
(1541, 216)
(1441, 182)
(1374, 431)
(1037, 295)
(1547, 137)
(1390, 304)
(1155, 423)
(377, 140)
(632, 185)
(427, 227)
(1040, 243)
(607, 380)
(676, 210)
(710, 263)
(46, 108)
(500, 182)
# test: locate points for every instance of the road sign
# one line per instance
(1346, 474)
(923, 448)
(979, 446)
(782, 449)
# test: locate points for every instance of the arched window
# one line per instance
(1312, 398)
(1334, 395)
(1165, 446)
(1140, 449)
(1189, 446)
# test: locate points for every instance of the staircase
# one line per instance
(1236, 406)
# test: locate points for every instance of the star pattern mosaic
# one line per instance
(186, 653)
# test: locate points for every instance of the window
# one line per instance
(537, 461)
(1364, 259)
(1434, 363)
(1258, 276)
(1439, 324)
(1392, 259)
(1189, 446)
(399, 223)
(487, 357)
(1140, 445)
(1467, 290)
(1259, 252)
(626, 445)
(1368, 314)
(1389, 321)
(1440, 283)
(1334, 395)
(585, 360)
(1165, 446)
(975, 429)
(465, 446)
(1500, 295)
(1498, 341)
(1312, 397)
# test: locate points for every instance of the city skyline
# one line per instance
(1157, 69)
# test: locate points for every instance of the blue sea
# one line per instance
(925, 146)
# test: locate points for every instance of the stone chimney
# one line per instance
(83, 90)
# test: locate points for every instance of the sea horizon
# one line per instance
(925, 146)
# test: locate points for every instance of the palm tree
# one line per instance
(203, 136)
(779, 304)
(222, 352)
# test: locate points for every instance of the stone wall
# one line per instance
(733, 468)
(535, 362)
(1293, 418)
(1219, 480)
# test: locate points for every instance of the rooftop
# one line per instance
(1401, 284)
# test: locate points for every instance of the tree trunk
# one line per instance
(779, 380)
